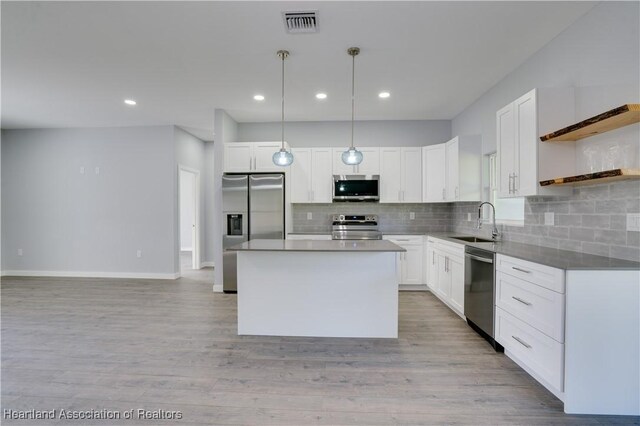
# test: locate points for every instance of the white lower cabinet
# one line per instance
(444, 261)
(530, 318)
(410, 263)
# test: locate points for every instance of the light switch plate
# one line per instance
(633, 222)
(412, 215)
(549, 218)
(309, 216)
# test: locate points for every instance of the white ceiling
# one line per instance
(71, 64)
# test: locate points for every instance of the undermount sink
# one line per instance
(473, 239)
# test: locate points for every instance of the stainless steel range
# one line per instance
(355, 227)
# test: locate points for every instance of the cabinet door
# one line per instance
(456, 272)
(433, 173)
(263, 157)
(506, 145)
(390, 175)
(238, 157)
(452, 182)
(411, 170)
(301, 175)
(526, 124)
(444, 279)
(339, 168)
(370, 161)
(431, 264)
(412, 270)
(321, 177)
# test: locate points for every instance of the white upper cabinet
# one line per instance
(433, 173)
(311, 175)
(523, 159)
(400, 175)
(452, 171)
(251, 157)
(370, 162)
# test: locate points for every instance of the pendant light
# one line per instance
(352, 157)
(283, 157)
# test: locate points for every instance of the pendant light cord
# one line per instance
(283, 56)
(353, 90)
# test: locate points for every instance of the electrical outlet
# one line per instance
(139, 254)
(19, 252)
(81, 170)
(412, 216)
(549, 218)
(309, 216)
(633, 222)
(97, 170)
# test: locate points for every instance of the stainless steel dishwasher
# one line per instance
(479, 293)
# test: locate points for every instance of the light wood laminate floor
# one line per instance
(114, 344)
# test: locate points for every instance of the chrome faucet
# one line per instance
(494, 232)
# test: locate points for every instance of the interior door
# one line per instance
(266, 206)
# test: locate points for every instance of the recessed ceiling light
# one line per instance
(129, 102)
(321, 95)
(258, 98)
(384, 95)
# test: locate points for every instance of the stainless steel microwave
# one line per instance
(356, 187)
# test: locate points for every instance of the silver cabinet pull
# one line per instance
(522, 342)
(524, 302)
(433, 257)
(250, 163)
(521, 270)
(510, 183)
(515, 189)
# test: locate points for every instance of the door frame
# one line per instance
(196, 255)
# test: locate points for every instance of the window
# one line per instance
(509, 211)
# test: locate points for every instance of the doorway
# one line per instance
(189, 218)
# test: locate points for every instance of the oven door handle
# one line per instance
(479, 259)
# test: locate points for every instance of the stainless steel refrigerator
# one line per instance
(253, 208)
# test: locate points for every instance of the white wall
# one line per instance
(90, 223)
(226, 130)
(598, 55)
(208, 180)
(187, 210)
(338, 133)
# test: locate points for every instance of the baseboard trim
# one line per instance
(85, 274)
(217, 288)
(207, 264)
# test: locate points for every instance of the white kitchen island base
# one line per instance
(318, 293)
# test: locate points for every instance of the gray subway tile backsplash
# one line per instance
(592, 220)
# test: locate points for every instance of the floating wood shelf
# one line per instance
(610, 120)
(594, 178)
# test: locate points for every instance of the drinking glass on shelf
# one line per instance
(590, 154)
(610, 157)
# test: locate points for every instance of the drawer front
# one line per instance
(537, 306)
(447, 246)
(402, 240)
(544, 276)
(539, 352)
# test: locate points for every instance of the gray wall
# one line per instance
(338, 133)
(600, 56)
(68, 221)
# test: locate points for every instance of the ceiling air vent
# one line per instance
(300, 22)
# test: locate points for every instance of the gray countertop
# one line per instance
(319, 246)
(561, 259)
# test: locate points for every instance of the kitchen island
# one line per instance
(318, 288)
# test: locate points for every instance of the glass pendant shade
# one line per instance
(283, 158)
(352, 157)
